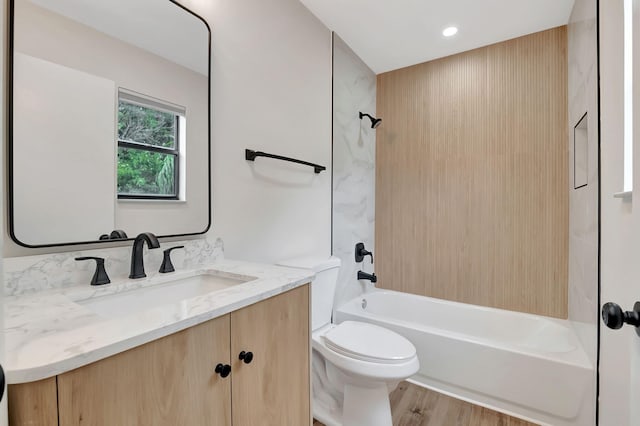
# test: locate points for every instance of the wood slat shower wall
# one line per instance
(472, 176)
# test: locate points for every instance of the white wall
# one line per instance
(56, 107)
(354, 154)
(271, 91)
(617, 254)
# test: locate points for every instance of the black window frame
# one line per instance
(157, 149)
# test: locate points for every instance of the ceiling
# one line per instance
(388, 35)
(159, 27)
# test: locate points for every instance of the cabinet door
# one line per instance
(274, 389)
(170, 381)
(33, 403)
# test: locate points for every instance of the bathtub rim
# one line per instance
(576, 357)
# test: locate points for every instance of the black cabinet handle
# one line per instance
(223, 370)
(247, 357)
(614, 317)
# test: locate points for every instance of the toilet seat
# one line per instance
(369, 342)
(371, 369)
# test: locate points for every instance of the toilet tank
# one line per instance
(323, 286)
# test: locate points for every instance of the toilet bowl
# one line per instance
(355, 364)
(363, 363)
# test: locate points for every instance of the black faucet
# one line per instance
(365, 276)
(361, 252)
(137, 259)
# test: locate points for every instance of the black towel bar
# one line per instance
(250, 155)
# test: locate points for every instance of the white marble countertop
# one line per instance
(48, 333)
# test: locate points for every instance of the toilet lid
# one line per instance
(369, 342)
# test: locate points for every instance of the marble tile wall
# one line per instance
(30, 274)
(583, 201)
(354, 90)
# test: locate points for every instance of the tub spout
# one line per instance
(365, 276)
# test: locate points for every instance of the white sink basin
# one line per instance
(141, 299)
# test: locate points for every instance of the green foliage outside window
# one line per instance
(145, 172)
(142, 171)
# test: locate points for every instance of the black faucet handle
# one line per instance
(100, 276)
(167, 265)
(361, 252)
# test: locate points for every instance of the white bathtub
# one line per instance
(524, 365)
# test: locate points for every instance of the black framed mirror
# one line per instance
(108, 121)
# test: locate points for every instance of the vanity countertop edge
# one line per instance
(47, 334)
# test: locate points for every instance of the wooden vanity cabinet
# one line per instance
(33, 403)
(172, 380)
(169, 381)
(274, 388)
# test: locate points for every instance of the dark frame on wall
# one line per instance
(9, 135)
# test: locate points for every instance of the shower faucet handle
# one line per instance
(361, 252)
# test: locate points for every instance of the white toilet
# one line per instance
(355, 364)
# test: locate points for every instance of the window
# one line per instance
(149, 140)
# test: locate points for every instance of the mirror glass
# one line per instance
(109, 124)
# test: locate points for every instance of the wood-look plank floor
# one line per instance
(412, 405)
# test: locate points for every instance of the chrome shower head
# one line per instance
(375, 122)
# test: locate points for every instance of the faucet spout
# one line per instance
(137, 258)
(365, 276)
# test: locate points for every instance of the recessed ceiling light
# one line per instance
(449, 31)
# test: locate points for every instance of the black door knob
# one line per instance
(223, 370)
(614, 317)
(247, 357)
